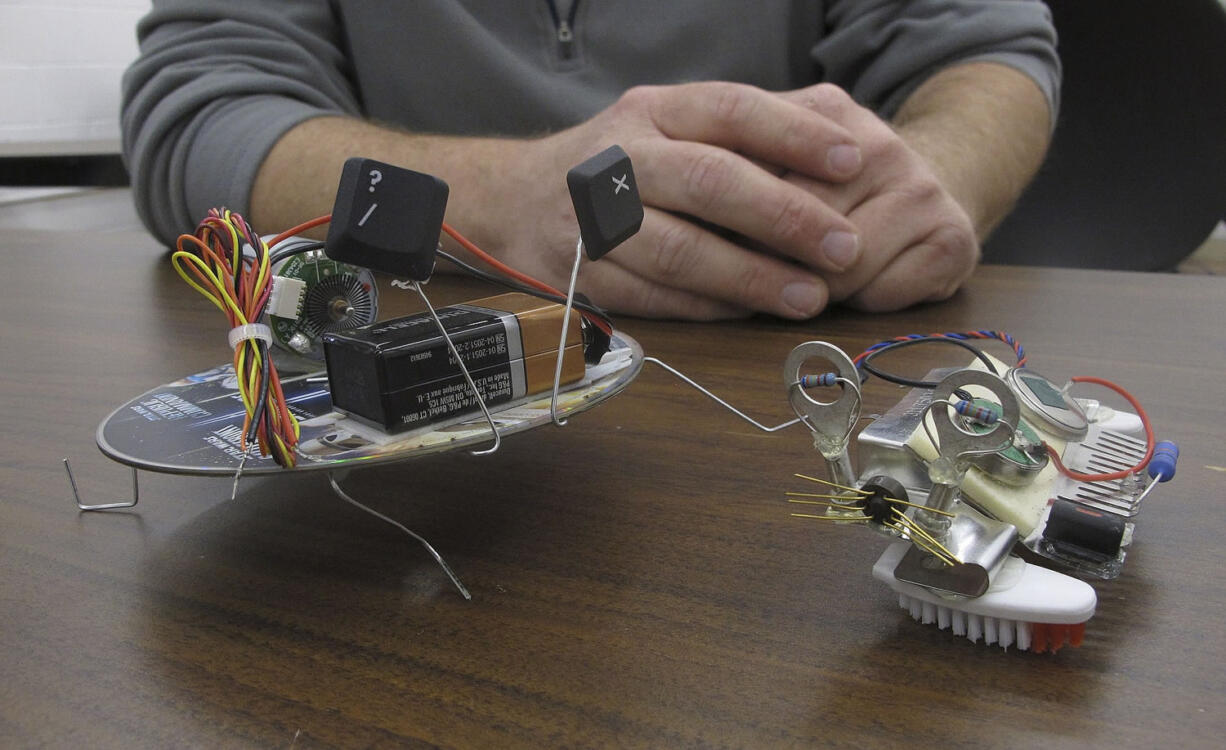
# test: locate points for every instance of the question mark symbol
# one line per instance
(375, 177)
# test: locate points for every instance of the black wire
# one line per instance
(279, 255)
(261, 404)
(516, 286)
(867, 363)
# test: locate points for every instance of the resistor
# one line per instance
(1161, 466)
(814, 381)
(981, 414)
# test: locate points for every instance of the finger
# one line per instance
(723, 188)
(681, 255)
(619, 289)
(905, 262)
(757, 123)
(828, 100)
(928, 272)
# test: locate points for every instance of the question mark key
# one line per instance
(394, 229)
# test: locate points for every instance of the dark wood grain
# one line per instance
(636, 577)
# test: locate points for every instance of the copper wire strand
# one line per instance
(826, 504)
(915, 529)
(832, 484)
(844, 505)
(922, 544)
(918, 542)
(829, 518)
(893, 500)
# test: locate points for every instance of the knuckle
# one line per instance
(830, 97)
(636, 97)
(751, 287)
(789, 224)
(952, 253)
(676, 252)
(638, 101)
(733, 105)
(708, 178)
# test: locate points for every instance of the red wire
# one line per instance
(470, 247)
(519, 276)
(1149, 438)
(304, 226)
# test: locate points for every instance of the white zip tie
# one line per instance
(250, 331)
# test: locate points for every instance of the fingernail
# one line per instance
(804, 297)
(840, 248)
(843, 159)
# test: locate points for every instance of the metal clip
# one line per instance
(830, 422)
(955, 444)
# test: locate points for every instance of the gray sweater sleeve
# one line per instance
(881, 50)
(216, 85)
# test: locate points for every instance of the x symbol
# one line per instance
(620, 183)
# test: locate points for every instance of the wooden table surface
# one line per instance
(637, 579)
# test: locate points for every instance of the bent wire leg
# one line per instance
(76, 496)
(437, 557)
(464, 369)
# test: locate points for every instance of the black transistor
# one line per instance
(387, 218)
(606, 199)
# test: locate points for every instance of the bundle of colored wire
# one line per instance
(963, 336)
(213, 261)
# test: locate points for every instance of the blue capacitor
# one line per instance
(1162, 465)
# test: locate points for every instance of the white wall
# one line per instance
(60, 63)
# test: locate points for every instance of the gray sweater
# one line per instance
(218, 82)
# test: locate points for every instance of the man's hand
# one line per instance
(754, 201)
(698, 153)
(918, 243)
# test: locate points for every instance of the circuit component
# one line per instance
(398, 374)
(1048, 406)
(886, 496)
(1074, 530)
(332, 296)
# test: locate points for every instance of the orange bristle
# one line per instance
(1046, 636)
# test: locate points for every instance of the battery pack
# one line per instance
(399, 374)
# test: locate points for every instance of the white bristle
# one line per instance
(974, 627)
(1023, 636)
(991, 629)
(1004, 633)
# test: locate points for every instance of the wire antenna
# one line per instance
(464, 369)
(570, 303)
(693, 384)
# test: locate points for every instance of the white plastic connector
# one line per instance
(285, 301)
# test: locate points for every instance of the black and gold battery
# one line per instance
(399, 374)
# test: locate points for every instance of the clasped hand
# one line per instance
(754, 202)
